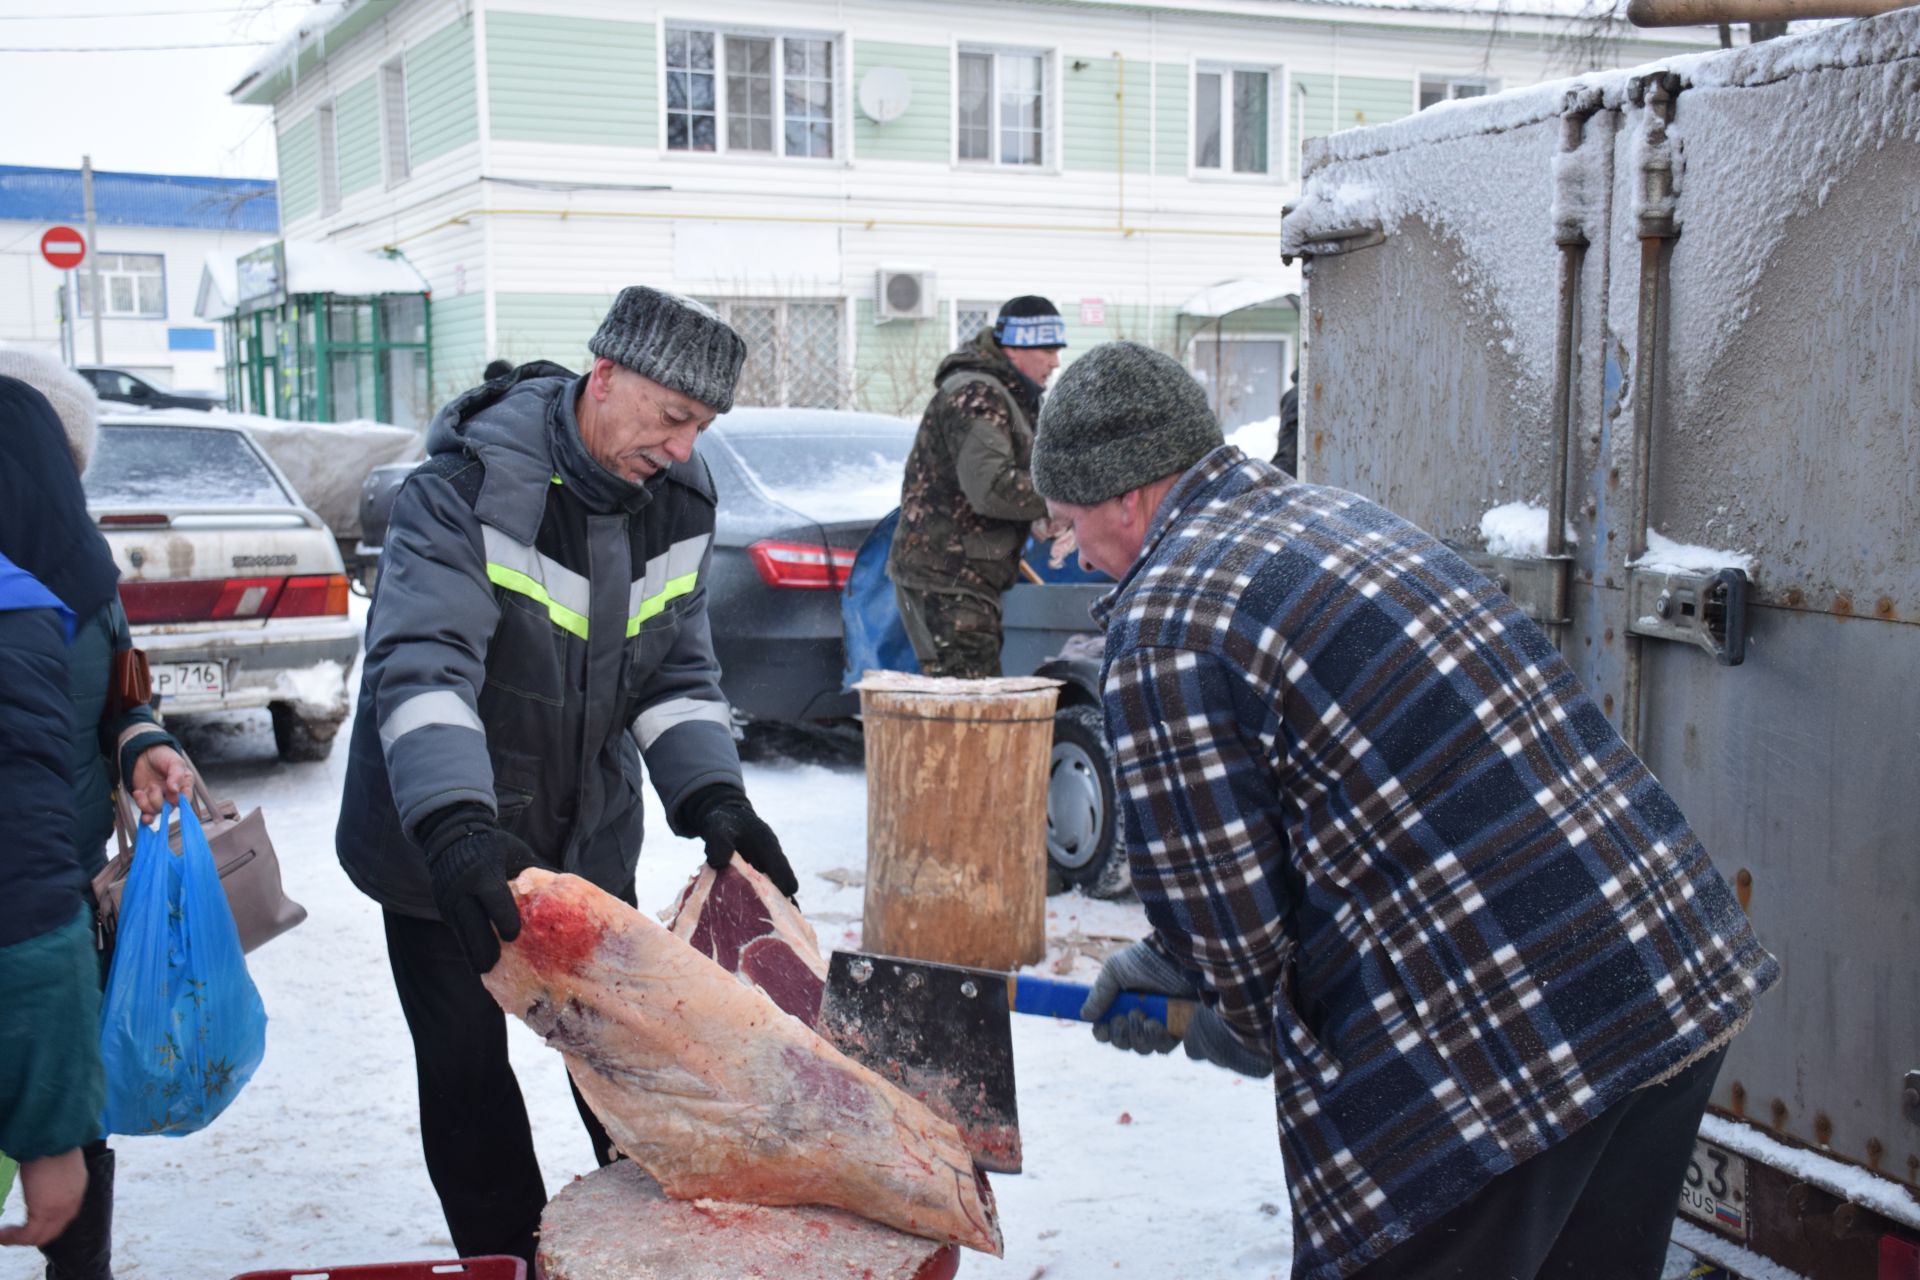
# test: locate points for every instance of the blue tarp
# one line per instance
(871, 630)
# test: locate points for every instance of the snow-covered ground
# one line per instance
(1134, 1167)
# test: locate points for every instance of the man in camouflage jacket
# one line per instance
(1399, 855)
(968, 501)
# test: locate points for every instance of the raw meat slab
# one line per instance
(710, 1087)
(616, 1224)
(736, 918)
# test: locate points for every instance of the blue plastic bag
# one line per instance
(182, 1027)
(872, 635)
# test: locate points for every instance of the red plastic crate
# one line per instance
(465, 1268)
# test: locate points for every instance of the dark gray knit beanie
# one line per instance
(1121, 416)
(675, 341)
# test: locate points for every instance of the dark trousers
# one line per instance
(1597, 1206)
(953, 633)
(473, 1121)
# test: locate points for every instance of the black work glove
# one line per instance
(721, 816)
(471, 857)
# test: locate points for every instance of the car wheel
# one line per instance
(1082, 816)
(301, 738)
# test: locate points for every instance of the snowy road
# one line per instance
(1134, 1167)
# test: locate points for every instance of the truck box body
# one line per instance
(1687, 297)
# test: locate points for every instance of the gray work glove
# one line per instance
(1136, 968)
(1140, 968)
(1209, 1040)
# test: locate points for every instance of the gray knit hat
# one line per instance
(675, 341)
(1121, 416)
(71, 396)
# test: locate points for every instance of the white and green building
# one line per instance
(858, 185)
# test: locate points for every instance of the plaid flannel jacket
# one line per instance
(1369, 807)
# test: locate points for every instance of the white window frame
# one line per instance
(839, 122)
(1050, 112)
(1276, 121)
(396, 153)
(1449, 82)
(992, 310)
(109, 274)
(326, 128)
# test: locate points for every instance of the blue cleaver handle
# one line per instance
(1051, 998)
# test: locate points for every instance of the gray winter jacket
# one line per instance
(539, 627)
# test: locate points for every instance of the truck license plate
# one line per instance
(1715, 1190)
(180, 679)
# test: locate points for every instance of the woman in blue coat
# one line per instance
(48, 420)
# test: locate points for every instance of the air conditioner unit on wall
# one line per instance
(904, 295)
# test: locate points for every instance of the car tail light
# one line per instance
(801, 564)
(312, 597)
(136, 520)
(220, 599)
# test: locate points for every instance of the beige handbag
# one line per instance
(249, 870)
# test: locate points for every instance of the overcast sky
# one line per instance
(129, 104)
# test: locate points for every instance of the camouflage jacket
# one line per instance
(968, 499)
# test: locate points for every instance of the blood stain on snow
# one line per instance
(1126, 1117)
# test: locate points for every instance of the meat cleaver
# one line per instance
(942, 1033)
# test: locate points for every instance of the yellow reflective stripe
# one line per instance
(564, 618)
(652, 605)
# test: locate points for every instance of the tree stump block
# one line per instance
(616, 1224)
(957, 817)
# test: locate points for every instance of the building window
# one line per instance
(1002, 107)
(135, 285)
(329, 163)
(1232, 119)
(774, 93)
(794, 351)
(1437, 89)
(969, 318)
(393, 122)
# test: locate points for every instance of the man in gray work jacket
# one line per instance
(540, 628)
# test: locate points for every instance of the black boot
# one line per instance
(84, 1251)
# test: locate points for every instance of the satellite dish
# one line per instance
(885, 93)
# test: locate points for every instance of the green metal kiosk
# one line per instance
(323, 334)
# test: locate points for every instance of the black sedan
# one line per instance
(132, 388)
(799, 491)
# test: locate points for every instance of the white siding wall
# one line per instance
(28, 306)
(1144, 241)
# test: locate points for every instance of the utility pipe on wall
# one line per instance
(1658, 229)
(1690, 13)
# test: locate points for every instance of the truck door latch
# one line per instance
(1707, 610)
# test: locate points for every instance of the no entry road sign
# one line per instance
(63, 247)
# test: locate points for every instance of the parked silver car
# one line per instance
(234, 589)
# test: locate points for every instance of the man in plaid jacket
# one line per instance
(1391, 845)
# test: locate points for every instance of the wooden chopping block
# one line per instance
(616, 1224)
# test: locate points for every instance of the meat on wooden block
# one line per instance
(616, 1224)
(746, 926)
(711, 1088)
